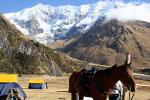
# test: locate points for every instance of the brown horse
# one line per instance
(101, 82)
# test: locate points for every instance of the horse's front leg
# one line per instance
(73, 96)
(81, 96)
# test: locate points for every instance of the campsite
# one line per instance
(58, 87)
(74, 50)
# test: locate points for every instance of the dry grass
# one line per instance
(58, 87)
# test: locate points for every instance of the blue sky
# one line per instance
(7, 6)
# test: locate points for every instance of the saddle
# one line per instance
(86, 76)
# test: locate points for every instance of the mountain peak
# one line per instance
(40, 4)
(46, 23)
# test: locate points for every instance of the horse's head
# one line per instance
(126, 74)
(127, 77)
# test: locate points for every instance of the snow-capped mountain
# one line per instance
(46, 23)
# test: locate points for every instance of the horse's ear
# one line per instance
(129, 65)
(127, 59)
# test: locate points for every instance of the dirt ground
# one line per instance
(58, 87)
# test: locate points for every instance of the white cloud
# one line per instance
(130, 11)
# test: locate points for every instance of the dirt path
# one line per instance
(58, 88)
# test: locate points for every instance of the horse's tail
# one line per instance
(72, 82)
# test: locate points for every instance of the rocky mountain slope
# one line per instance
(107, 42)
(20, 54)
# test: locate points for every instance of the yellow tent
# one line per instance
(36, 81)
(7, 78)
(8, 82)
(37, 84)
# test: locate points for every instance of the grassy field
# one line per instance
(58, 87)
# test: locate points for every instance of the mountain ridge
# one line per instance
(105, 42)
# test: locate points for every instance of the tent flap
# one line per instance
(5, 87)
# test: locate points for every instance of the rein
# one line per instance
(101, 89)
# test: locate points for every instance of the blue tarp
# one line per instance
(37, 86)
(5, 87)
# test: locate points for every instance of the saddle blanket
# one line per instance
(87, 98)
